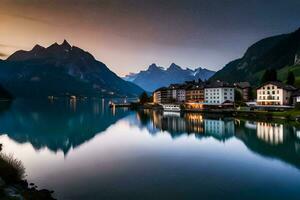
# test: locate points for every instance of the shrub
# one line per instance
(11, 169)
(297, 106)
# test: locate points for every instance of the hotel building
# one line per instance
(218, 93)
(274, 93)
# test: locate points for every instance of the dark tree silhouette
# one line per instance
(143, 98)
(269, 75)
(290, 78)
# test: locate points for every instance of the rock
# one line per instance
(13, 193)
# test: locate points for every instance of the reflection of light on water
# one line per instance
(219, 128)
(250, 125)
(194, 117)
(298, 134)
(73, 104)
(103, 108)
(114, 110)
(270, 133)
(96, 108)
(175, 114)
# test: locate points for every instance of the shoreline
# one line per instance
(289, 115)
(13, 184)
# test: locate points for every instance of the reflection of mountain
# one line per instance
(60, 125)
(189, 123)
(272, 140)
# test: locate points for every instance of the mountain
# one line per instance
(61, 70)
(277, 52)
(155, 77)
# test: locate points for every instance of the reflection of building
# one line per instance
(218, 92)
(250, 125)
(176, 124)
(274, 93)
(220, 129)
(270, 133)
(191, 123)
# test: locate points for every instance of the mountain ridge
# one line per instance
(275, 52)
(61, 69)
(156, 76)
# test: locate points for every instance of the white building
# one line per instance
(274, 93)
(217, 93)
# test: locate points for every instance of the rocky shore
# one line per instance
(23, 191)
(13, 186)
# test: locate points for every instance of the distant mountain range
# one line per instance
(61, 70)
(280, 52)
(155, 77)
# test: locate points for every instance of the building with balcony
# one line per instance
(162, 95)
(194, 93)
(274, 93)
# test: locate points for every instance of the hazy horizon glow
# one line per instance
(129, 35)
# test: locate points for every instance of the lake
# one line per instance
(85, 150)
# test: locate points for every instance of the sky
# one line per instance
(129, 35)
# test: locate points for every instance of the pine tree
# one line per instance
(143, 98)
(269, 75)
(290, 78)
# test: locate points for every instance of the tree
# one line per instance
(238, 97)
(290, 78)
(273, 75)
(269, 75)
(143, 98)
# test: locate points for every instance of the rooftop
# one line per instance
(279, 84)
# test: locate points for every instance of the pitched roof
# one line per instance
(243, 85)
(279, 84)
(160, 89)
(194, 87)
(296, 93)
(218, 84)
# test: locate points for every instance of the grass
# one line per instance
(283, 73)
(11, 169)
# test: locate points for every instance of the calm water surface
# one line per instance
(84, 150)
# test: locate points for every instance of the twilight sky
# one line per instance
(129, 35)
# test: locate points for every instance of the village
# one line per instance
(199, 95)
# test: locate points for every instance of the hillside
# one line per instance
(61, 70)
(275, 52)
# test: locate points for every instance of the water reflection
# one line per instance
(270, 139)
(177, 124)
(62, 125)
(147, 154)
(59, 125)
